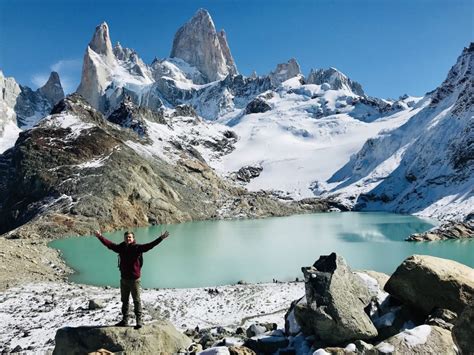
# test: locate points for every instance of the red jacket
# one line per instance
(130, 267)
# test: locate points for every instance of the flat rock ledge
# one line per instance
(158, 337)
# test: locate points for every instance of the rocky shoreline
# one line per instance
(447, 231)
(335, 311)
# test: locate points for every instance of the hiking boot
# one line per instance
(139, 324)
(122, 323)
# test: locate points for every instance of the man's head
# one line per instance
(129, 237)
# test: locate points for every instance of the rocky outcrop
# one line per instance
(158, 337)
(335, 79)
(424, 339)
(52, 90)
(198, 44)
(427, 282)
(97, 68)
(448, 230)
(284, 71)
(335, 303)
(464, 329)
(247, 173)
(258, 105)
(128, 115)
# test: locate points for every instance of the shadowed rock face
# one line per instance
(198, 44)
(52, 90)
(158, 337)
(464, 329)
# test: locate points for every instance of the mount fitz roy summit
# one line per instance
(189, 130)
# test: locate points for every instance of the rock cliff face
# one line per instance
(285, 71)
(198, 44)
(97, 67)
(9, 92)
(31, 105)
(101, 43)
(52, 90)
(425, 166)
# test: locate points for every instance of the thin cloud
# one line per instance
(69, 71)
(66, 64)
(39, 79)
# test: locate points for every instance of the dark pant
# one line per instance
(133, 287)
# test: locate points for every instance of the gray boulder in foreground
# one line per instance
(424, 339)
(463, 330)
(335, 302)
(427, 282)
(155, 338)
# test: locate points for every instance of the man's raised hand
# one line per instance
(97, 234)
(164, 235)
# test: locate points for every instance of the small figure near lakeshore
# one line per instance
(130, 264)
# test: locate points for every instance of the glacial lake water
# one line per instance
(211, 253)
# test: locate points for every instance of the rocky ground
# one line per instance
(24, 261)
(424, 307)
(31, 314)
(448, 230)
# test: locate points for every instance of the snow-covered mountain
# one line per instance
(426, 165)
(299, 136)
(21, 107)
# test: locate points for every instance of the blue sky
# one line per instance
(390, 47)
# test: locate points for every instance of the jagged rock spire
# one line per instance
(198, 44)
(96, 73)
(285, 71)
(100, 42)
(226, 51)
(52, 90)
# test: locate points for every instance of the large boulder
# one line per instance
(426, 282)
(335, 303)
(423, 339)
(160, 336)
(463, 330)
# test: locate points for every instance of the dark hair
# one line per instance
(127, 233)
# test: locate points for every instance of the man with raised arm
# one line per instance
(130, 264)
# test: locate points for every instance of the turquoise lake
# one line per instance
(211, 253)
